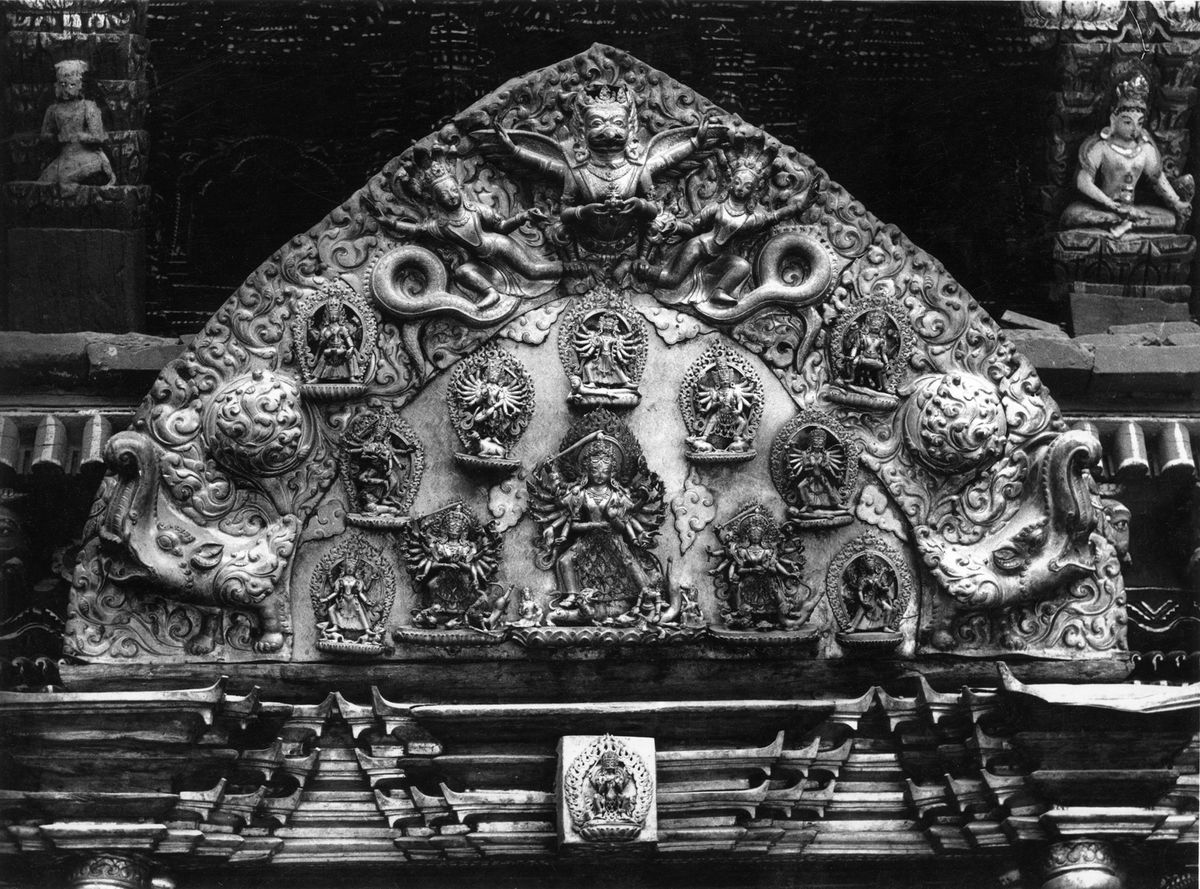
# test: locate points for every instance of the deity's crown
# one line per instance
(605, 444)
(1133, 93)
(604, 94)
(721, 369)
(751, 162)
(610, 759)
(71, 66)
(429, 167)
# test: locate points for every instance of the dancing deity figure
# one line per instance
(491, 401)
(606, 190)
(1113, 161)
(76, 124)
(480, 232)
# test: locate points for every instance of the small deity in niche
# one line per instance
(599, 509)
(868, 349)
(452, 557)
(1113, 161)
(382, 461)
(530, 612)
(870, 590)
(721, 399)
(716, 230)
(480, 232)
(491, 402)
(335, 334)
(758, 578)
(75, 123)
(606, 194)
(352, 591)
(814, 464)
(334, 344)
(603, 346)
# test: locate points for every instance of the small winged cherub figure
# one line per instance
(607, 188)
(715, 231)
(480, 232)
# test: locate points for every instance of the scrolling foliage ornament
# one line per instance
(582, 178)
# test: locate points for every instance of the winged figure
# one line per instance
(606, 189)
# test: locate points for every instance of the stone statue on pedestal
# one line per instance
(76, 124)
(1113, 162)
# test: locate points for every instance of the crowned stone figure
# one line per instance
(76, 125)
(1113, 162)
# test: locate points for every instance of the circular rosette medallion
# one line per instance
(721, 399)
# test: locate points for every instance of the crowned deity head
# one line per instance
(455, 525)
(68, 79)
(876, 321)
(756, 530)
(601, 460)
(722, 373)
(1131, 101)
(607, 114)
(493, 371)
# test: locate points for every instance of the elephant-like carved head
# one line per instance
(149, 537)
(1044, 544)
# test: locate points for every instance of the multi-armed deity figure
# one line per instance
(75, 123)
(867, 355)
(451, 558)
(814, 465)
(756, 577)
(599, 509)
(716, 230)
(480, 232)
(606, 196)
(491, 401)
(1113, 162)
(721, 400)
(602, 342)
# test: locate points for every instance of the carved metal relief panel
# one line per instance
(569, 216)
(352, 591)
(721, 400)
(382, 465)
(602, 343)
(607, 790)
(490, 400)
(335, 334)
(869, 588)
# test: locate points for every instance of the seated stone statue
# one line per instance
(76, 124)
(1113, 161)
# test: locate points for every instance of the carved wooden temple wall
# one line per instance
(599, 493)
